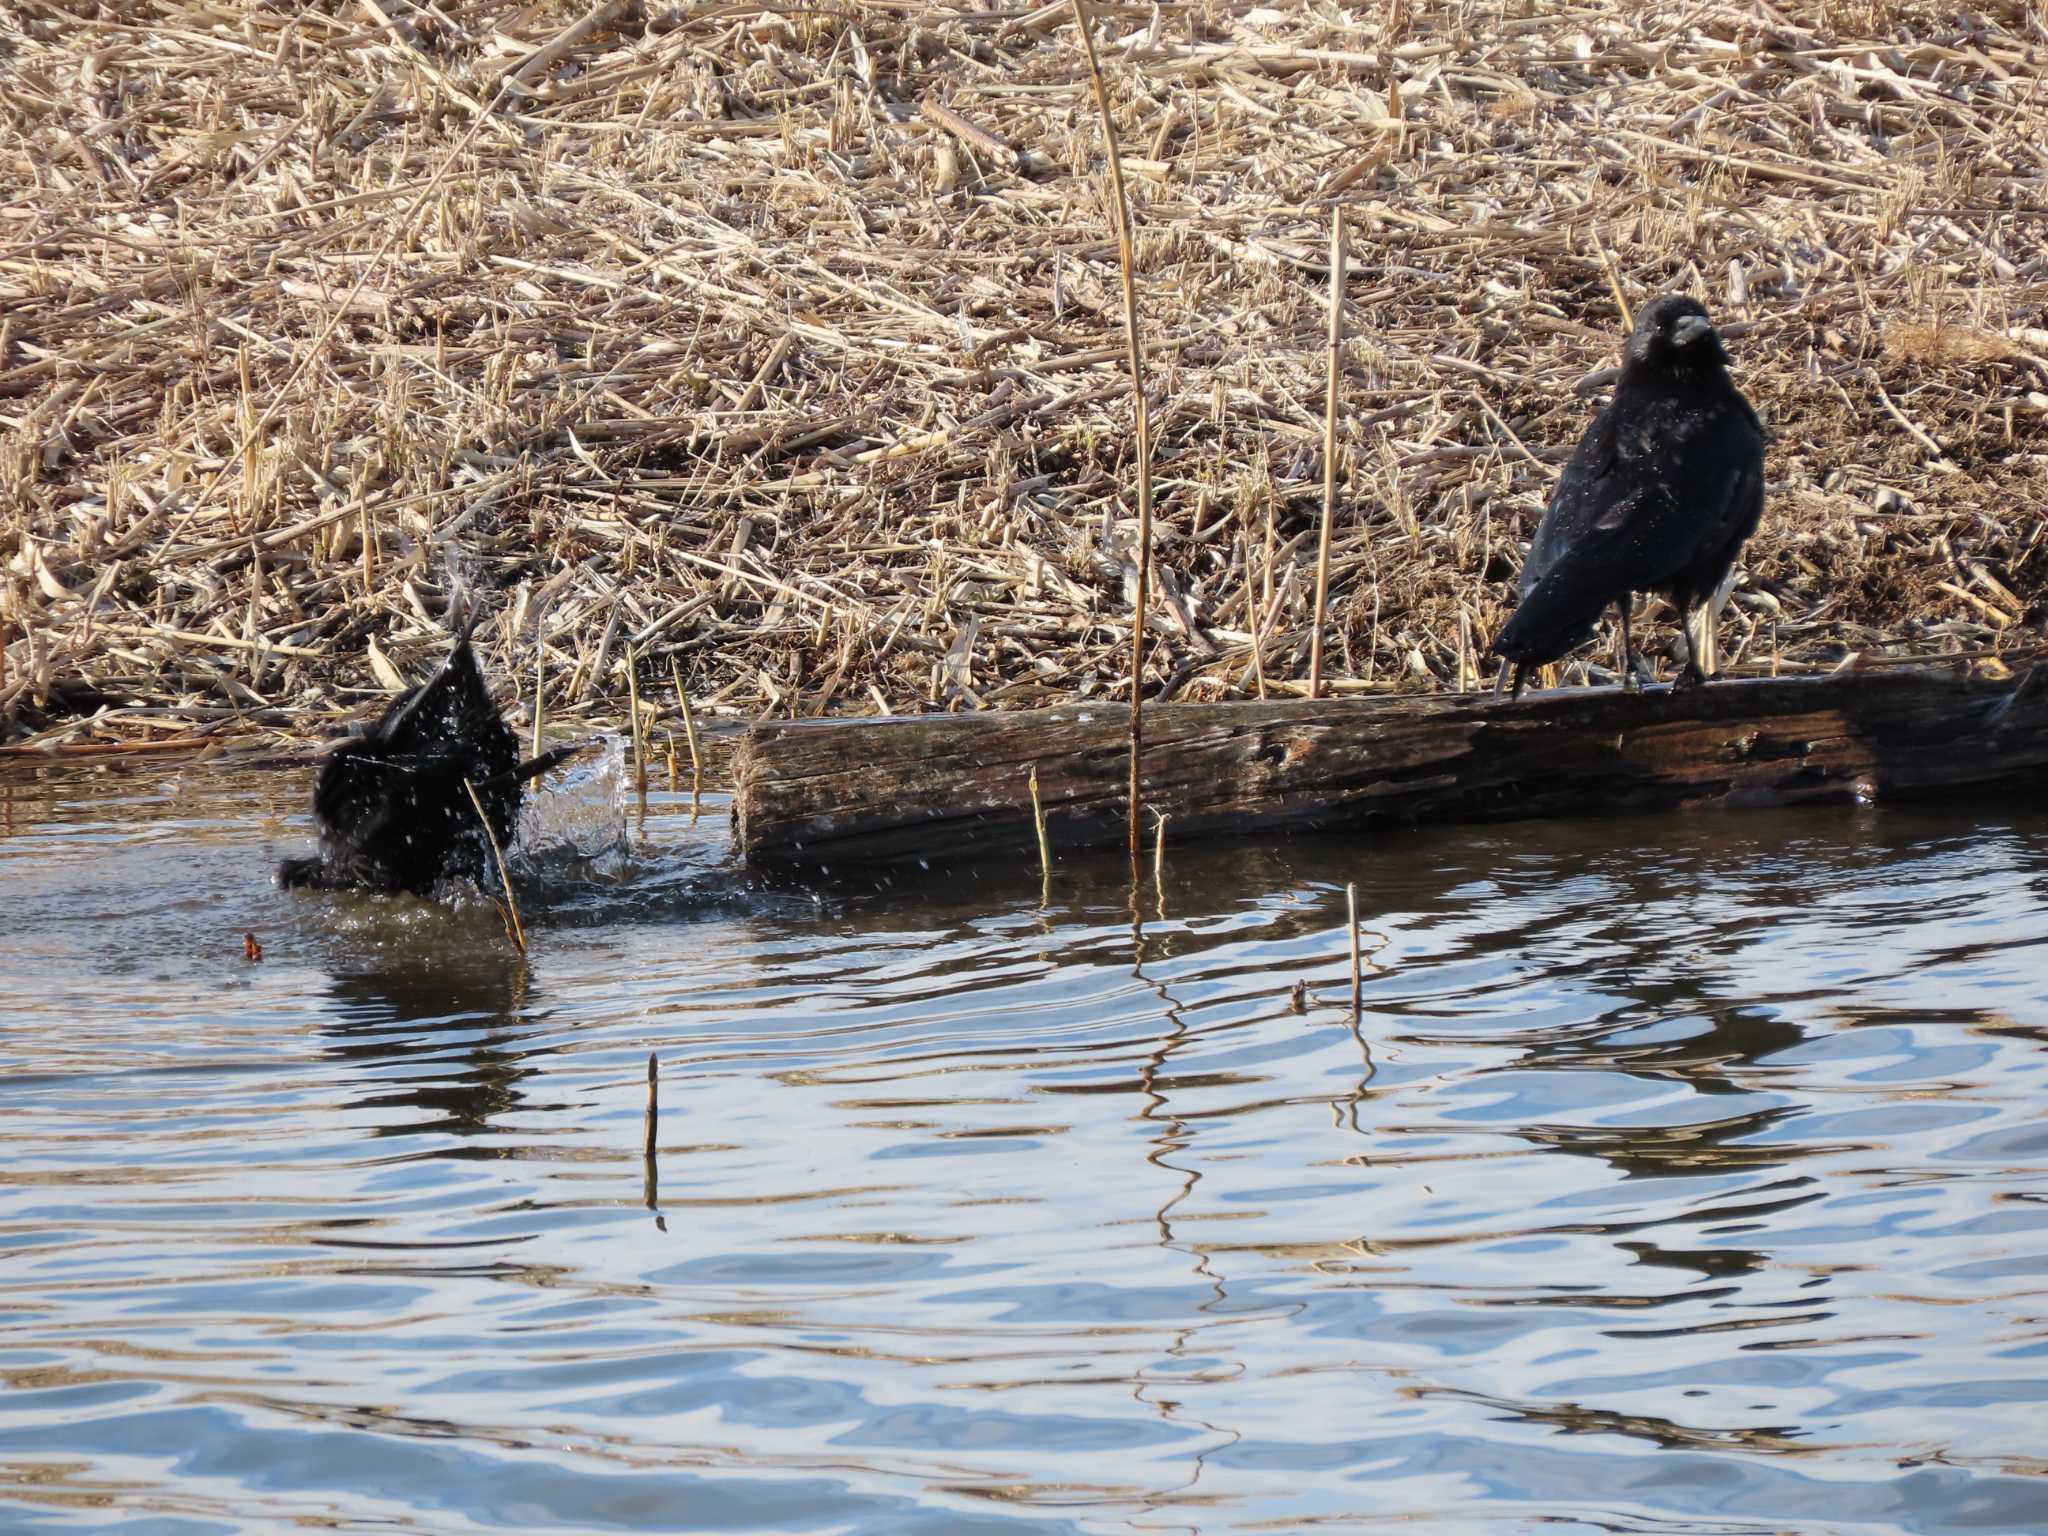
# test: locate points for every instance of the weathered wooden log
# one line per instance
(939, 787)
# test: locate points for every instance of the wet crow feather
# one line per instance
(390, 803)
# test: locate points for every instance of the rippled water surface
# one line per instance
(1684, 1175)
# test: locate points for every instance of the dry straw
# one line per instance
(779, 348)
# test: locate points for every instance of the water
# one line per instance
(1685, 1175)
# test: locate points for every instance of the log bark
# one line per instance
(932, 788)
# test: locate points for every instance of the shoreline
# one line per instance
(780, 359)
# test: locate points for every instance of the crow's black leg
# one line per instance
(1629, 681)
(1521, 676)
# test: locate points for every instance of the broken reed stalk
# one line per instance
(653, 1109)
(1127, 261)
(1357, 976)
(512, 923)
(1159, 855)
(633, 704)
(1331, 369)
(1628, 319)
(1044, 848)
(369, 550)
(1260, 599)
(690, 731)
(540, 679)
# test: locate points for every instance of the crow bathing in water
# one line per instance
(391, 803)
(1665, 486)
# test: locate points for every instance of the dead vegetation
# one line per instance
(778, 349)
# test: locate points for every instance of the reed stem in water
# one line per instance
(690, 730)
(1044, 848)
(512, 923)
(1357, 969)
(653, 1108)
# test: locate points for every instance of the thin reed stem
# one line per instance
(540, 679)
(1628, 318)
(690, 731)
(653, 1108)
(1332, 369)
(512, 923)
(1127, 263)
(1044, 847)
(633, 704)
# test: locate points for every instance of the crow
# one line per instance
(392, 802)
(1664, 488)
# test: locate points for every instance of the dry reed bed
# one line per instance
(778, 350)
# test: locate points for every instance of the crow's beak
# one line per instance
(1690, 329)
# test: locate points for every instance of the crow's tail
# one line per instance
(1557, 615)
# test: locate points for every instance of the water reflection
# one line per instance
(461, 1023)
(1678, 1174)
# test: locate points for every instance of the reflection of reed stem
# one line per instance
(512, 925)
(1175, 1137)
(650, 1179)
(1159, 862)
(1357, 976)
(1368, 1068)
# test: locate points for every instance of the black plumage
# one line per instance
(391, 803)
(1664, 488)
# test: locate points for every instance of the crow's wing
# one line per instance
(1582, 494)
(1684, 480)
(1616, 525)
(353, 789)
(1742, 505)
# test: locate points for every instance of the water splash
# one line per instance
(575, 822)
(458, 576)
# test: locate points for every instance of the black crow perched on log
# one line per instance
(393, 803)
(1665, 486)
